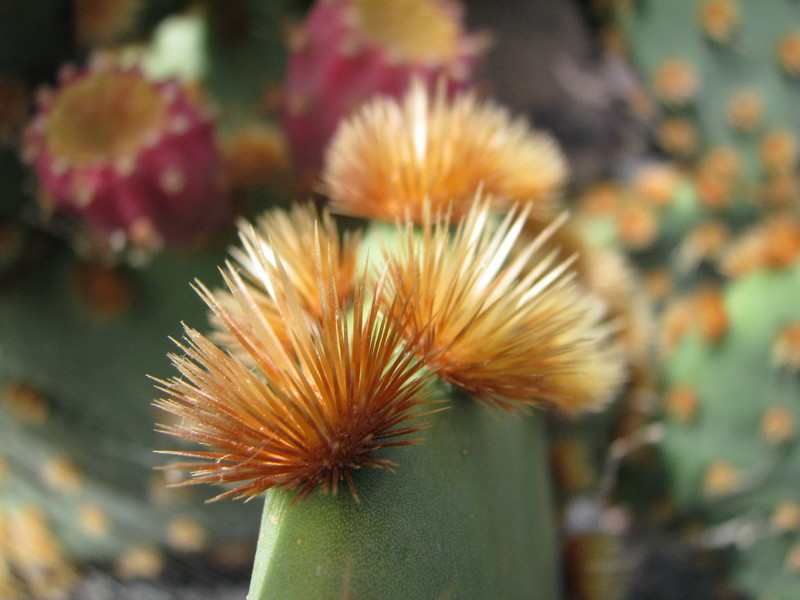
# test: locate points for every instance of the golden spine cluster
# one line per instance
(326, 362)
(392, 159)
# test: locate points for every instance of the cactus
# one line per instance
(467, 512)
(427, 528)
(430, 485)
(721, 77)
(660, 220)
(468, 145)
(78, 338)
(731, 424)
(724, 74)
(77, 479)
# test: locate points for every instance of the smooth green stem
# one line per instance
(468, 514)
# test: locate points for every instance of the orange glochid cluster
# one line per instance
(314, 381)
(510, 328)
(394, 158)
(291, 235)
(299, 417)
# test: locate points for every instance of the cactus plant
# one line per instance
(78, 338)
(510, 334)
(724, 73)
(723, 79)
(731, 425)
(442, 300)
(414, 531)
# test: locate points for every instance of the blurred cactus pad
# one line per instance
(725, 76)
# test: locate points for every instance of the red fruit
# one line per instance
(135, 160)
(350, 50)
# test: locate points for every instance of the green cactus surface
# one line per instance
(725, 74)
(468, 514)
(731, 429)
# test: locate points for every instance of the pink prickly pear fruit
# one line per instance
(134, 160)
(350, 50)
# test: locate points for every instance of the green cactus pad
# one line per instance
(736, 459)
(727, 68)
(468, 514)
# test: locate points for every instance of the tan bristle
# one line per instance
(719, 19)
(746, 110)
(605, 273)
(676, 320)
(779, 151)
(658, 284)
(786, 516)
(704, 242)
(139, 562)
(792, 562)
(786, 348)
(35, 554)
(656, 184)
(703, 312)
(681, 403)
(25, 403)
(638, 226)
(9, 586)
(513, 330)
(299, 418)
(714, 190)
(675, 81)
(789, 53)
(783, 242)
(720, 479)
(745, 255)
(775, 244)
(186, 534)
(394, 158)
(777, 425)
(608, 274)
(678, 136)
(780, 190)
(93, 520)
(262, 304)
(723, 161)
(711, 316)
(290, 236)
(61, 475)
(602, 199)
